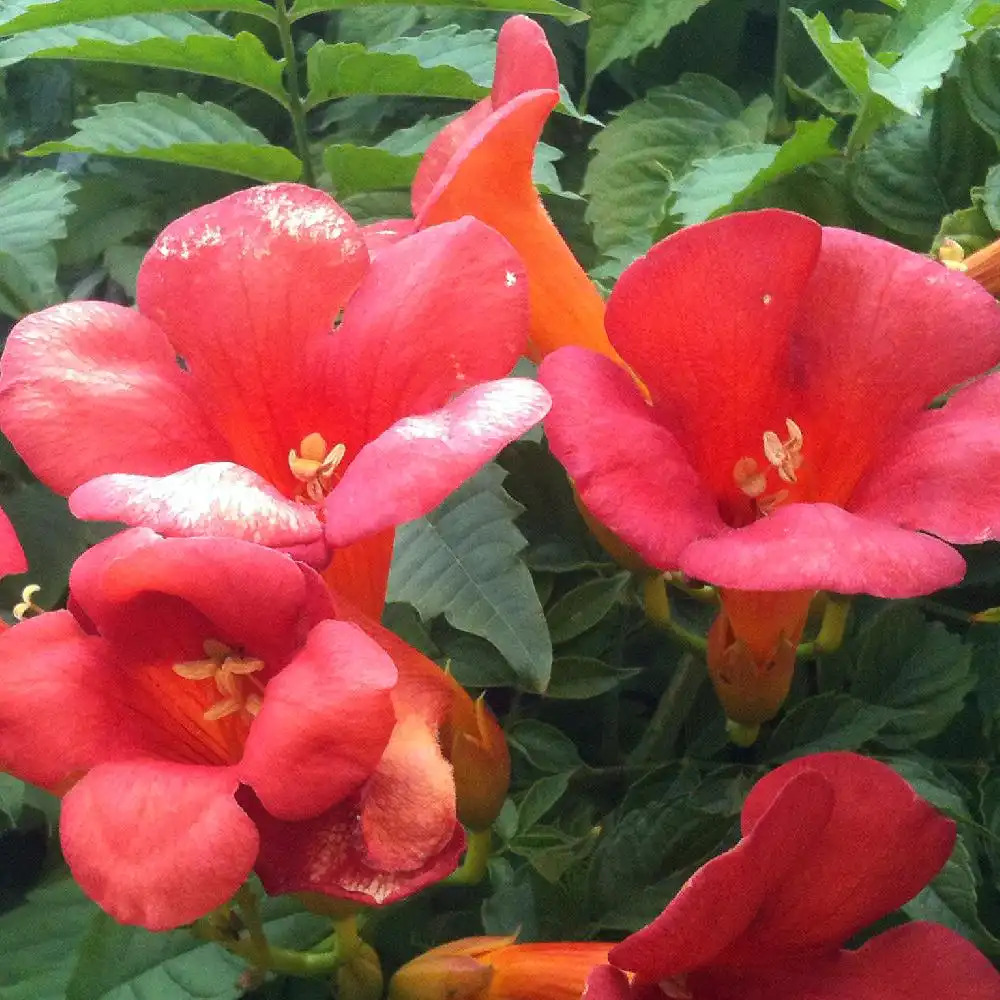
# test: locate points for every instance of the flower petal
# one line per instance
(360, 571)
(881, 846)
(61, 711)
(327, 855)
(607, 983)
(943, 476)
(489, 177)
(706, 321)
(216, 498)
(382, 234)
(817, 546)
(157, 844)
(524, 61)
(629, 470)
(408, 807)
(881, 332)
(90, 387)
(719, 903)
(12, 558)
(438, 311)
(410, 468)
(325, 721)
(241, 287)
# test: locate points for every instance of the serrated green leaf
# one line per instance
(989, 196)
(933, 782)
(717, 184)
(576, 678)
(463, 561)
(129, 963)
(569, 15)
(979, 81)
(828, 722)
(916, 667)
(38, 941)
(474, 662)
(543, 746)
(584, 606)
(438, 63)
(33, 213)
(367, 168)
(951, 899)
(895, 179)
(621, 29)
(628, 181)
(178, 130)
(31, 15)
(164, 41)
(539, 799)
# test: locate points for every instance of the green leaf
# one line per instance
(828, 722)
(979, 81)
(916, 667)
(33, 212)
(539, 799)
(575, 678)
(569, 15)
(463, 561)
(544, 746)
(620, 29)
(178, 130)
(474, 662)
(628, 181)
(439, 63)
(367, 168)
(165, 41)
(38, 941)
(127, 963)
(951, 900)
(30, 15)
(584, 606)
(11, 800)
(895, 179)
(716, 184)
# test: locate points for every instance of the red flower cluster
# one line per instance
(831, 843)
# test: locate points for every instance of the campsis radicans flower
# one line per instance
(480, 165)
(831, 843)
(204, 713)
(276, 384)
(786, 444)
(496, 968)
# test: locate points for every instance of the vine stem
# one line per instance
(296, 108)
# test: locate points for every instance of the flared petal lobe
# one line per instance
(155, 843)
(12, 559)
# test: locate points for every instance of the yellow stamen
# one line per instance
(951, 254)
(229, 673)
(749, 478)
(785, 456)
(314, 466)
(27, 604)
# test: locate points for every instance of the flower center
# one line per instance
(232, 675)
(785, 457)
(314, 466)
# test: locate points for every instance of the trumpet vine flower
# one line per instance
(204, 714)
(830, 843)
(480, 165)
(788, 443)
(278, 386)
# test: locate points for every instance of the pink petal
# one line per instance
(408, 807)
(410, 468)
(325, 721)
(216, 498)
(379, 235)
(89, 388)
(524, 61)
(818, 546)
(628, 469)
(706, 319)
(438, 312)
(327, 855)
(719, 903)
(943, 475)
(241, 287)
(61, 711)
(157, 844)
(12, 559)
(607, 983)
(881, 846)
(881, 332)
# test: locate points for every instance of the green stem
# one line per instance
(779, 94)
(477, 856)
(656, 601)
(296, 108)
(831, 630)
(665, 726)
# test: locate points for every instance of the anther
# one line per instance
(27, 604)
(229, 673)
(749, 478)
(314, 466)
(785, 456)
